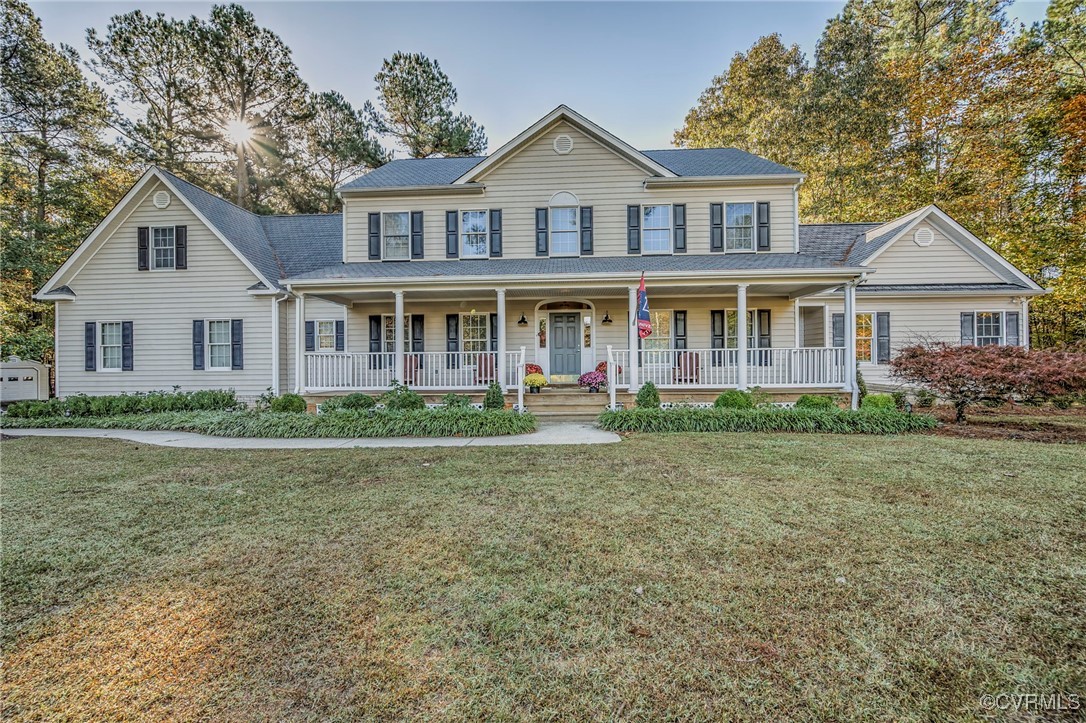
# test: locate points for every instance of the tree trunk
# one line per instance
(959, 412)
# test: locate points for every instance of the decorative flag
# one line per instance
(644, 323)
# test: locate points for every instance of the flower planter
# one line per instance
(533, 390)
(593, 390)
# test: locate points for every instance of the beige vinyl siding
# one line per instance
(916, 320)
(943, 262)
(598, 178)
(161, 306)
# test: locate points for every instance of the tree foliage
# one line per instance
(416, 101)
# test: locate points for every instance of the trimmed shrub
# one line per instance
(648, 396)
(494, 398)
(288, 404)
(861, 386)
(880, 402)
(456, 401)
(815, 401)
(355, 402)
(901, 398)
(734, 399)
(401, 398)
(339, 423)
(769, 419)
(81, 405)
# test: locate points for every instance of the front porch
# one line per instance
(708, 337)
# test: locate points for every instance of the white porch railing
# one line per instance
(786, 367)
(514, 360)
(421, 370)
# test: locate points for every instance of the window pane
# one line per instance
(111, 333)
(218, 337)
(740, 239)
(220, 355)
(656, 217)
(388, 338)
(989, 328)
(865, 332)
(396, 224)
(661, 330)
(326, 335)
(563, 219)
(218, 332)
(656, 241)
(564, 243)
(162, 243)
(740, 214)
(111, 345)
(731, 329)
(473, 232)
(474, 330)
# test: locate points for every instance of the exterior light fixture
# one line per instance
(522, 321)
(606, 318)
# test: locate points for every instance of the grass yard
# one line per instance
(727, 577)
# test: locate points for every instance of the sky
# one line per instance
(634, 68)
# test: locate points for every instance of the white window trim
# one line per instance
(461, 233)
(151, 249)
(317, 335)
(486, 327)
(670, 229)
(407, 331)
(1002, 325)
(753, 227)
(384, 256)
(576, 231)
(98, 347)
(874, 338)
(229, 345)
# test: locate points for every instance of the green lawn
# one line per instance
(734, 577)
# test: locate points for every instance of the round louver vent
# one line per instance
(923, 237)
(161, 199)
(563, 144)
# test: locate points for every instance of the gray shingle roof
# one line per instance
(681, 161)
(844, 241)
(937, 288)
(582, 265)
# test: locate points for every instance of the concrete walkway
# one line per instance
(548, 433)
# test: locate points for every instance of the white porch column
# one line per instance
(398, 358)
(741, 331)
(1024, 335)
(633, 339)
(499, 364)
(299, 345)
(850, 342)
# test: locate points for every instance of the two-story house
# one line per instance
(451, 273)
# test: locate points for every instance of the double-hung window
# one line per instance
(660, 338)
(163, 247)
(865, 337)
(326, 335)
(656, 229)
(396, 229)
(110, 344)
(474, 332)
(564, 241)
(218, 344)
(388, 332)
(739, 233)
(473, 233)
(731, 328)
(989, 328)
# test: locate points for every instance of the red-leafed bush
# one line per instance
(965, 375)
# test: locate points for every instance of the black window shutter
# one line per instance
(311, 336)
(633, 229)
(452, 341)
(198, 344)
(1011, 335)
(493, 332)
(375, 236)
(495, 233)
(418, 335)
(967, 328)
(377, 360)
(143, 246)
(716, 226)
(679, 231)
(838, 322)
(452, 241)
(763, 225)
(541, 232)
(341, 335)
(716, 330)
(765, 338)
(586, 231)
(680, 329)
(237, 353)
(417, 246)
(181, 247)
(882, 337)
(90, 345)
(126, 346)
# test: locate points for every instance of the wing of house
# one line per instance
(448, 273)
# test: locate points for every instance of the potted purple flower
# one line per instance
(592, 380)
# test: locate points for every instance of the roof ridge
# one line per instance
(843, 223)
(708, 148)
(201, 188)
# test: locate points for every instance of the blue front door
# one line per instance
(566, 344)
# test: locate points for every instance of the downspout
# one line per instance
(795, 218)
(276, 341)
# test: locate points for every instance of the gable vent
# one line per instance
(563, 144)
(923, 237)
(161, 199)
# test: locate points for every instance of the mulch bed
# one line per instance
(1032, 424)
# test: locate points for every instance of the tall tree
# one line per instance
(150, 61)
(417, 99)
(58, 176)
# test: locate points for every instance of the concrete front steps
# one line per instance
(566, 403)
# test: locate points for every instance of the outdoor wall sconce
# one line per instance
(606, 318)
(522, 321)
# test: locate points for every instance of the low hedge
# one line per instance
(764, 420)
(82, 405)
(339, 423)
